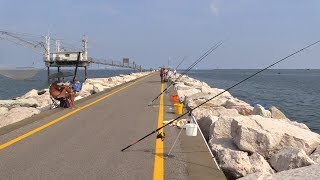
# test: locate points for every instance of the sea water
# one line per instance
(295, 92)
(10, 88)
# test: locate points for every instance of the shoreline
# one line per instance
(247, 140)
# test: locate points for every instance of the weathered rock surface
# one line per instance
(242, 107)
(86, 90)
(304, 173)
(202, 112)
(237, 164)
(181, 86)
(257, 176)
(199, 98)
(30, 102)
(3, 110)
(221, 128)
(276, 113)
(186, 93)
(98, 88)
(205, 123)
(315, 156)
(259, 110)
(259, 164)
(295, 123)
(32, 93)
(17, 114)
(290, 158)
(215, 91)
(267, 136)
(195, 83)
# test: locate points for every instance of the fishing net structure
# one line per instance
(19, 73)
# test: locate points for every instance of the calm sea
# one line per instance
(295, 92)
(12, 88)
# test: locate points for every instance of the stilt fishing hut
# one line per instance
(61, 59)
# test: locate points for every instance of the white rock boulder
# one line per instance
(215, 91)
(259, 110)
(221, 128)
(242, 107)
(86, 90)
(290, 158)
(236, 164)
(304, 173)
(315, 156)
(3, 110)
(17, 114)
(276, 113)
(257, 176)
(32, 93)
(30, 102)
(267, 136)
(186, 93)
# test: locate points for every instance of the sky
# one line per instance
(157, 33)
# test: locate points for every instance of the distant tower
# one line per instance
(47, 46)
(58, 45)
(85, 48)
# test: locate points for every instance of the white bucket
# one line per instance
(191, 129)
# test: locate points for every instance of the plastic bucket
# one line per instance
(191, 129)
(178, 107)
(175, 98)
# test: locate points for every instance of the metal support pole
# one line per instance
(48, 73)
(204, 139)
(59, 71)
(175, 141)
(85, 73)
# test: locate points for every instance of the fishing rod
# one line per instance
(178, 66)
(190, 111)
(180, 63)
(190, 67)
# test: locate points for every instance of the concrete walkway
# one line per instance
(85, 143)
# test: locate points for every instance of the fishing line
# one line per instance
(181, 62)
(190, 67)
(190, 111)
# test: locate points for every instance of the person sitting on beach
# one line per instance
(62, 91)
(76, 86)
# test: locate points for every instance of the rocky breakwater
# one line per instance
(35, 101)
(251, 142)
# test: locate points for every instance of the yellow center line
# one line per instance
(158, 168)
(19, 138)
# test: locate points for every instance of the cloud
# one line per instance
(214, 7)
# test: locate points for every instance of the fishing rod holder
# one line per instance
(191, 129)
(192, 121)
